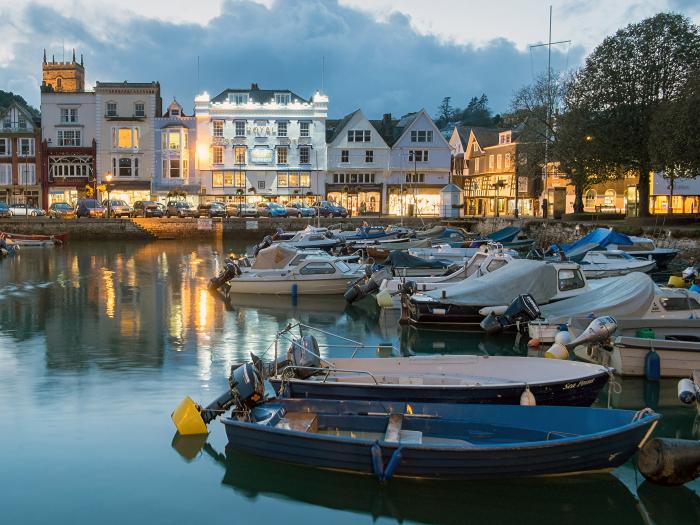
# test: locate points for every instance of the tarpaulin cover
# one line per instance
(501, 286)
(506, 234)
(623, 297)
(401, 259)
(274, 257)
(430, 232)
(600, 237)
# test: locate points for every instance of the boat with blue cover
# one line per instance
(433, 441)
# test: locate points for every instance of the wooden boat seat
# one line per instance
(393, 429)
(299, 421)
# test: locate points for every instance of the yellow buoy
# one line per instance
(676, 281)
(188, 418)
(557, 351)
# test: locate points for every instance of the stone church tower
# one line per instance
(66, 77)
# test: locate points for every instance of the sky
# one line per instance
(377, 55)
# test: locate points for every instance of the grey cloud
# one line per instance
(378, 66)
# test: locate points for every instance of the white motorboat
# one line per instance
(645, 248)
(675, 341)
(632, 296)
(283, 270)
(312, 238)
(612, 263)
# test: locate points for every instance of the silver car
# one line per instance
(25, 209)
(117, 208)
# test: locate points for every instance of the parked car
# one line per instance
(180, 209)
(146, 209)
(117, 208)
(211, 210)
(330, 209)
(61, 210)
(5, 210)
(89, 208)
(24, 209)
(162, 208)
(241, 210)
(271, 209)
(297, 209)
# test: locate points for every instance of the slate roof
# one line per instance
(257, 95)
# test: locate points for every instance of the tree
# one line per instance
(446, 113)
(477, 112)
(625, 81)
(675, 149)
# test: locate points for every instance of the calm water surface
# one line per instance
(100, 341)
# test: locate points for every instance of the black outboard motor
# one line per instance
(265, 243)
(408, 288)
(523, 308)
(370, 285)
(230, 271)
(304, 353)
(246, 389)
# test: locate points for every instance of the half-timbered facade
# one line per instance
(20, 154)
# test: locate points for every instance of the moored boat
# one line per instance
(416, 440)
(21, 239)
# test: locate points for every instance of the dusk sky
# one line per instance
(381, 56)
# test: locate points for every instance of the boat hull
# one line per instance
(336, 286)
(596, 271)
(581, 392)
(35, 239)
(441, 315)
(589, 453)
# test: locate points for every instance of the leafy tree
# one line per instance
(7, 97)
(477, 112)
(624, 83)
(446, 113)
(675, 148)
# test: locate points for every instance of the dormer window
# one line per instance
(238, 98)
(505, 137)
(283, 98)
(174, 112)
(111, 109)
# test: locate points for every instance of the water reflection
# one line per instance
(131, 326)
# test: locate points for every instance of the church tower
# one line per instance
(66, 77)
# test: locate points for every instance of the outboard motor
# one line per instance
(304, 353)
(523, 308)
(370, 285)
(408, 288)
(230, 271)
(265, 243)
(600, 330)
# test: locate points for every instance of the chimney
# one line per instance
(386, 119)
(254, 87)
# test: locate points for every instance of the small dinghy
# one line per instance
(20, 239)
(436, 441)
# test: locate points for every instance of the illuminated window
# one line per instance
(507, 160)
(305, 180)
(304, 129)
(217, 179)
(174, 140)
(282, 155)
(590, 198)
(239, 154)
(125, 138)
(282, 179)
(218, 128)
(499, 161)
(294, 180)
(218, 154)
(490, 162)
(609, 198)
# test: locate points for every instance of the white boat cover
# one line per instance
(501, 286)
(275, 257)
(622, 297)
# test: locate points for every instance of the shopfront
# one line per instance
(678, 195)
(129, 192)
(357, 199)
(414, 200)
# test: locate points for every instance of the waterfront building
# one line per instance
(419, 166)
(681, 194)
(358, 163)
(20, 154)
(67, 132)
(491, 182)
(175, 140)
(125, 114)
(261, 144)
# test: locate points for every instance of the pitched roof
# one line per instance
(334, 127)
(463, 134)
(32, 115)
(257, 95)
(486, 136)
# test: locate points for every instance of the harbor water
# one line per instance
(100, 341)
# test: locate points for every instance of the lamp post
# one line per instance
(108, 178)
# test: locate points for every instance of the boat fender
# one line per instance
(497, 310)
(668, 461)
(377, 462)
(391, 466)
(563, 336)
(384, 299)
(676, 281)
(686, 391)
(527, 398)
(652, 366)
(534, 343)
(557, 351)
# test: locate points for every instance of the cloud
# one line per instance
(380, 66)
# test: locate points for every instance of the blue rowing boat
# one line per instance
(426, 440)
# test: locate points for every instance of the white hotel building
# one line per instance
(261, 144)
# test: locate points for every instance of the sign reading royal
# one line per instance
(261, 156)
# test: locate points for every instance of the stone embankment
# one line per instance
(682, 235)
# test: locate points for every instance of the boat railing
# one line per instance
(328, 371)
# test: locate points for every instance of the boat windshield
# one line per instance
(342, 267)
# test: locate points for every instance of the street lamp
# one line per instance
(108, 178)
